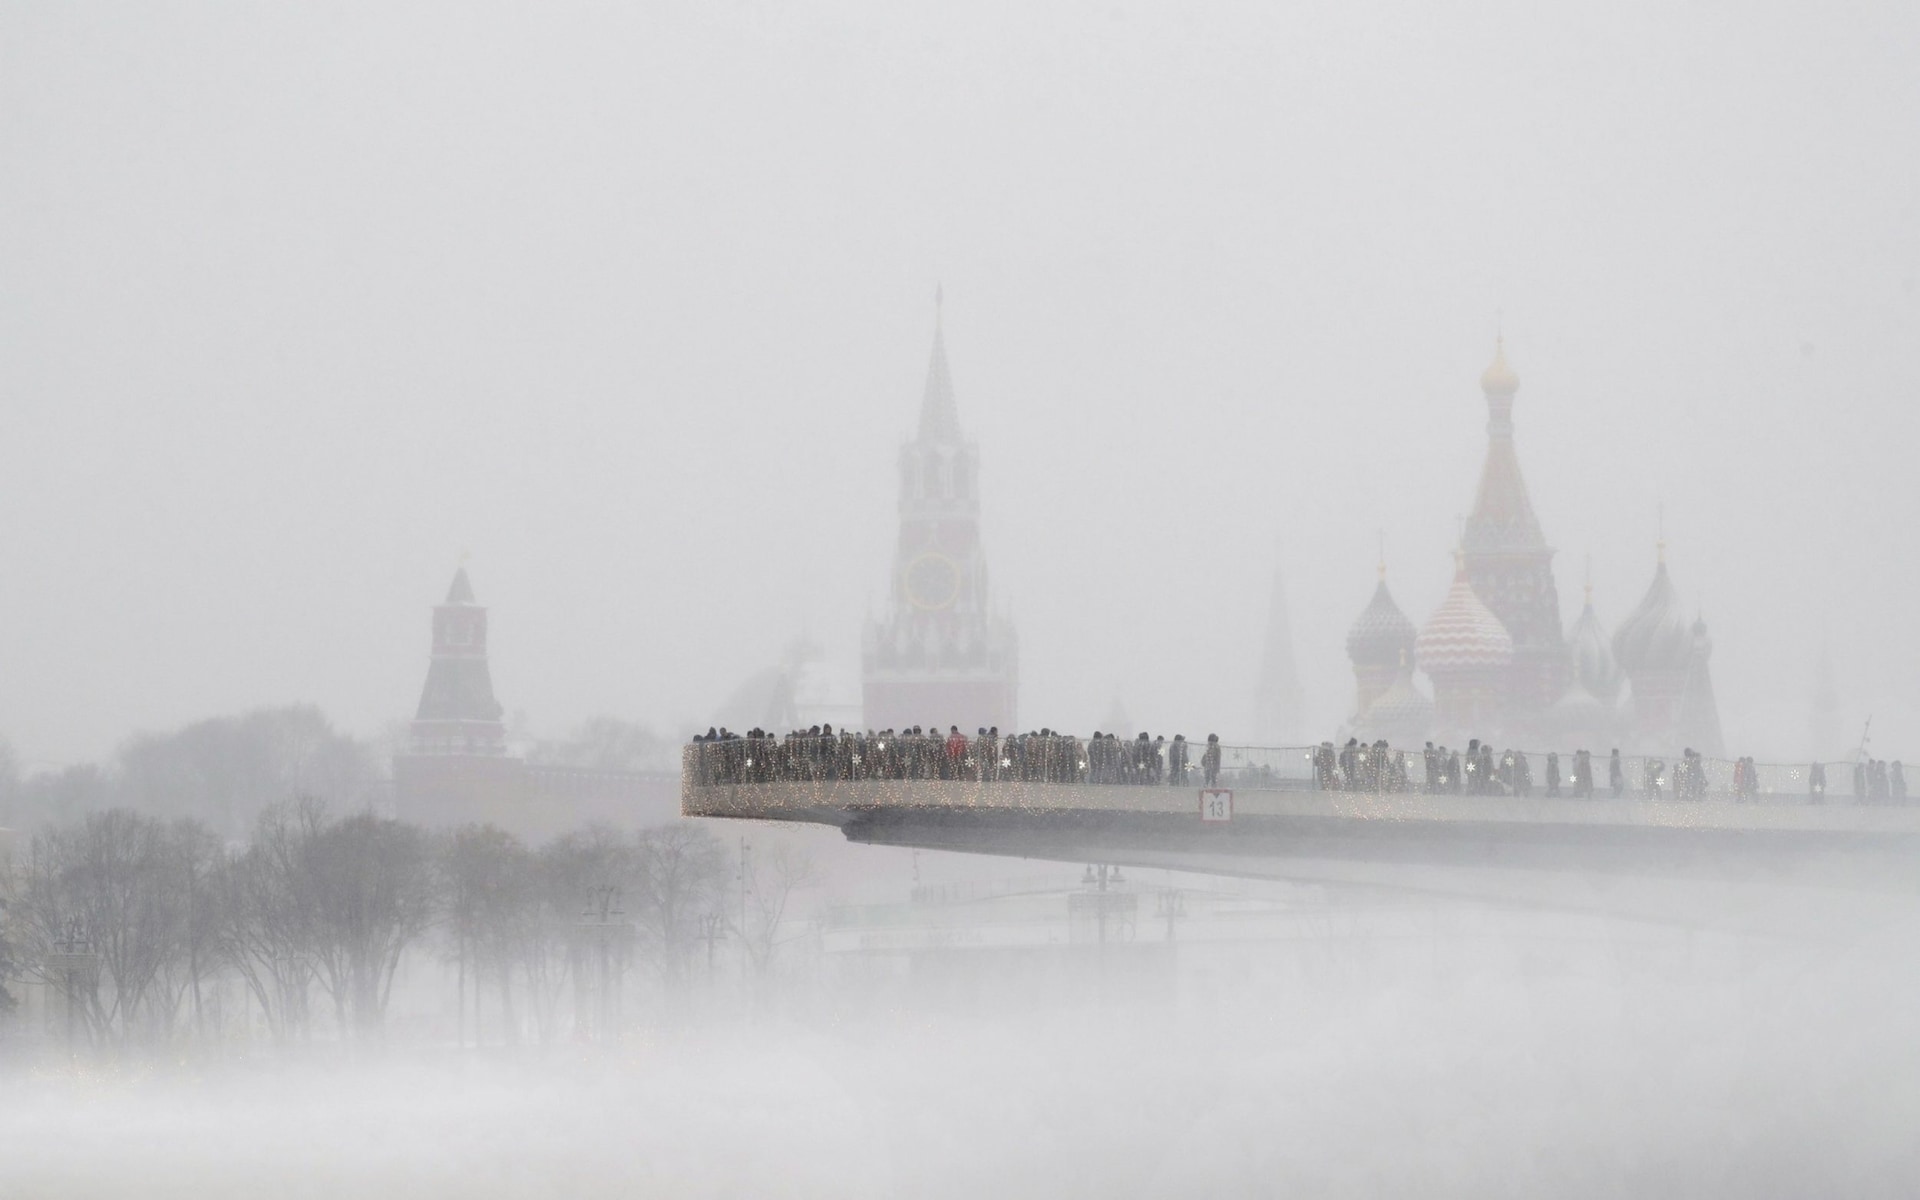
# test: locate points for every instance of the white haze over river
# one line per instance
(1488, 1054)
(632, 304)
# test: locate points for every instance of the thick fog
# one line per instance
(629, 309)
(1308, 1042)
(633, 305)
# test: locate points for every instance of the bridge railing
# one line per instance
(1065, 759)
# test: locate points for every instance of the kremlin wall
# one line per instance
(1497, 661)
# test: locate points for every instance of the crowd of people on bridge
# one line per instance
(821, 753)
(1875, 781)
(1045, 756)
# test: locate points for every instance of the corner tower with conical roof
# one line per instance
(1509, 562)
(939, 656)
(456, 769)
(457, 713)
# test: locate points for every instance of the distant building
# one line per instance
(1502, 665)
(1666, 656)
(1278, 720)
(940, 656)
(458, 715)
(457, 769)
(1507, 558)
(806, 688)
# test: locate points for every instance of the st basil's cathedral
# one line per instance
(1502, 666)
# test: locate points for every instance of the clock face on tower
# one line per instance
(932, 581)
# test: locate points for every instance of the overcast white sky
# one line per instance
(633, 302)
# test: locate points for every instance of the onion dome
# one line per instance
(1580, 711)
(1403, 714)
(1594, 668)
(1498, 379)
(1381, 636)
(1463, 634)
(1656, 635)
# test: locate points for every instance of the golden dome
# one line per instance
(1499, 379)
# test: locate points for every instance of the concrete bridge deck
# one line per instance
(1524, 850)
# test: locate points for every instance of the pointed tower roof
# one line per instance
(1277, 695)
(1503, 521)
(939, 414)
(1463, 633)
(462, 590)
(458, 713)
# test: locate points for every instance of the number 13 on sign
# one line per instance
(1216, 804)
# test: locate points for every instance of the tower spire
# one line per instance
(939, 414)
(938, 650)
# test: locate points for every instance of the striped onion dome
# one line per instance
(1381, 636)
(1463, 633)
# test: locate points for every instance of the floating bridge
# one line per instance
(1271, 817)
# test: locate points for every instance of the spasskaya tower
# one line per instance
(939, 656)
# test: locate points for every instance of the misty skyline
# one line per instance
(297, 307)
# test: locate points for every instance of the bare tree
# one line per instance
(115, 875)
(372, 897)
(770, 892)
(610, 744)
(266, 920)
(193, 863)
(9, 958)
(487, 890)
(226, 770)
(586, 886)
(681, 871)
